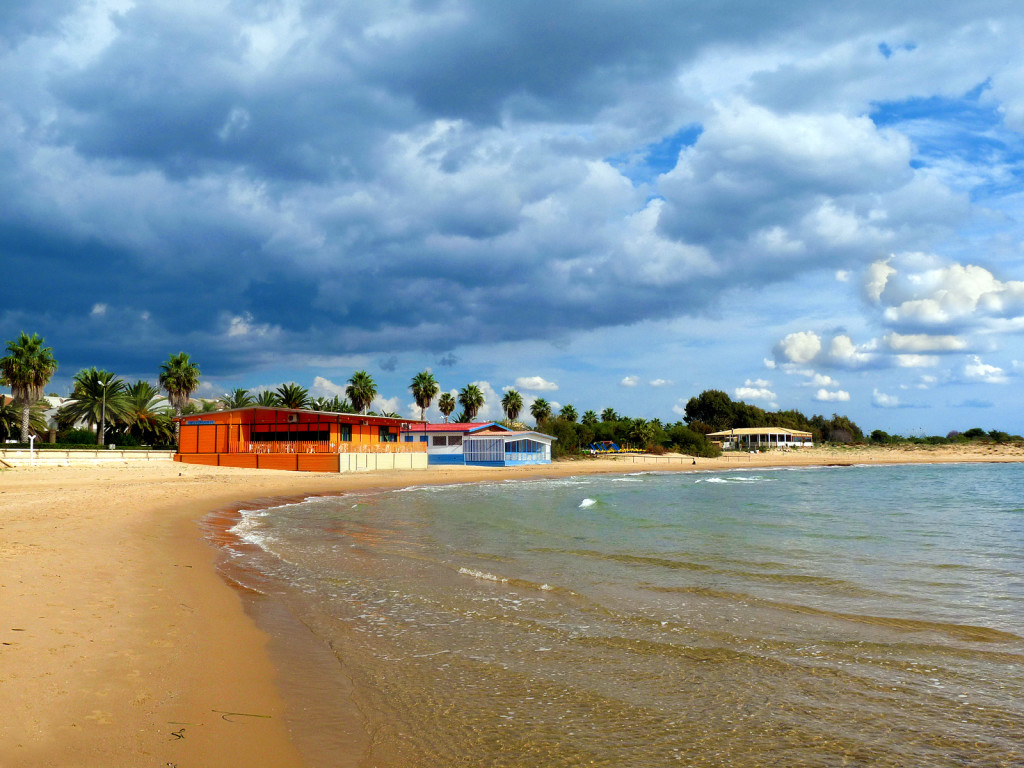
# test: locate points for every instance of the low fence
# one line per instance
(352, 461)
(22, 457)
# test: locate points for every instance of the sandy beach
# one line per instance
(122, 644)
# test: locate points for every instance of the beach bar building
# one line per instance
(480, 444)
(306, 441)
(756, 438)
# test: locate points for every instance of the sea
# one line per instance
(832, 616)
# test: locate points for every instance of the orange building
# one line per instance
(307, 441)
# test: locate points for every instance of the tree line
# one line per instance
(139, 413)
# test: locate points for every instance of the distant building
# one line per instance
(480, 444)
(309, 441)
(753, 438)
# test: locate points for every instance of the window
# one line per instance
(303, 436)
(385, 435)
(523, 446)
(438, 440)
(454, 439)
(345, 433)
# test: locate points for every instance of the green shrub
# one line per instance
(78, 437)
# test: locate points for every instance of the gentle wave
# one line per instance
(485, 576)
(735, 479)
(587, 503)
(959, 631)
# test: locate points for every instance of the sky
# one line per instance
(610, 204)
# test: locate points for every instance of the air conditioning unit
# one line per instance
(293, 418)
(405, 426)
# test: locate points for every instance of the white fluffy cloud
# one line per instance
(916, 361)
(924, 290)
(326, 388)
(800, 347)
(881, 400)
(922, 342)
(629, 381)
(838, 396)
(976, 370)
(536, 384)
(820, 380)
(756, 389)
(844, 352)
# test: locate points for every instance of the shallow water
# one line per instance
(818, 617)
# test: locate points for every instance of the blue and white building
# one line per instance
(480, 444)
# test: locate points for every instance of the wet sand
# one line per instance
(121, 645)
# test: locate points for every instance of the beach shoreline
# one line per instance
(124, 645)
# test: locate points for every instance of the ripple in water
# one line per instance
(733, 621)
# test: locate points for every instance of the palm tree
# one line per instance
(609, 414)
(641, 432)
(180, 377)
(291, 395)
(26, 369)
(589, 418)
(472, 400)
(10, 418)
(446, 404)
(238, 398)
(540, 409)
(146, 418)
(568, 413)
(512, 404)
(98, 396)
(424, 389)
(361, 390)
(267, 399)
(337, 405)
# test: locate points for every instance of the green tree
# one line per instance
(238, 398)
(361, 390)
(512, 404)
(881, 437)
(712, 407)
(589, 418)
(641, 433)
(268, 399)
(340, 405)
(179, 377)
(424, 389)
(472, 400)
(692, 442)
(98, 397)
(540, 410)
(291, 395)
(10, 418)
(26, 369)
(446, 404)
(568, 413)
(609, 414)
(147, 417)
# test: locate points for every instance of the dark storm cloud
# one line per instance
(253, 180)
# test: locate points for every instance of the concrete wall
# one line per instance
(66, 458)
(310, 462)
(361, 462)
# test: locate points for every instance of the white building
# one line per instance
(480, 444)
(754, 438)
